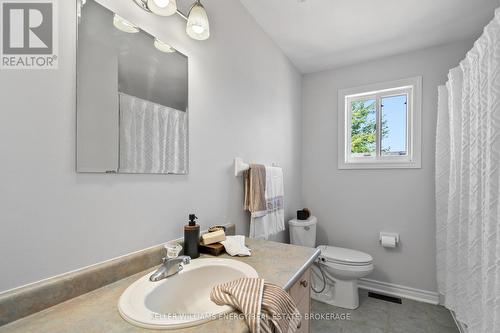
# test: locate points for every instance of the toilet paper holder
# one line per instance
(389, 235)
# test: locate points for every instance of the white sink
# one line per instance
(181, 300)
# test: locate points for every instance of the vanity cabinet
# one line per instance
(301, 295)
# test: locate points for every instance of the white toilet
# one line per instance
(342, 267)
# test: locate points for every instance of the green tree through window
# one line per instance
(364, 127)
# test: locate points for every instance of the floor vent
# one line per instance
(385, 297)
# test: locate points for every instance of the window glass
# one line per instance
(363, 128)
(393, 121)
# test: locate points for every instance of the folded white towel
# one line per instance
(235, 246)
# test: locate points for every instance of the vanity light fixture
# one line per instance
(121, 24)
(163, 47)
(197, 26)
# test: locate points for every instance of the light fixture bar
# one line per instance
(181, 14)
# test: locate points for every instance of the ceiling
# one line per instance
(324, 34)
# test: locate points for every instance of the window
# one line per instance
(379, 125)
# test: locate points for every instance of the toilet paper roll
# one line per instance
(388, 241)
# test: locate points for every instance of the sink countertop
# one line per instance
(97, 311)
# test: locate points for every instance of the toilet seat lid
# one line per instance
(344, 256)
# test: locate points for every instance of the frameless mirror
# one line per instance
(132, 98)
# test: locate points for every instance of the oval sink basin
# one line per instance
(181, 300)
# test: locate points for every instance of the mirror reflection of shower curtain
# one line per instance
(153, 137)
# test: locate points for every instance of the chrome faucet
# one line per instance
(170, 267)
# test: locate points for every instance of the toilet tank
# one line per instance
(303, 232)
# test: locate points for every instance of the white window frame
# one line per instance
(412, 87)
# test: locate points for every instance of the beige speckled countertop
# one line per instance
(281, 264)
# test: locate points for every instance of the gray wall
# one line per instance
(353, 206)
(244, 100)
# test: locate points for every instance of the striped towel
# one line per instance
(267, 308)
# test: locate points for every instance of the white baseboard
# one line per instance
(400, 291)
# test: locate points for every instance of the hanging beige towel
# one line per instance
(267, 308)
(255, 190)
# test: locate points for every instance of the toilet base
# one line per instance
(340, 293)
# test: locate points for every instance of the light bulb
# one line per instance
(198, 29)
(197, 25)
(163, 7)
(121, 24)
(161, 3)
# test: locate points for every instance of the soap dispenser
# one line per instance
(192, 237)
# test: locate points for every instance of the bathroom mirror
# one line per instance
(132, 98)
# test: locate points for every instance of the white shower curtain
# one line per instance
(467, 186)
(153, 137)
